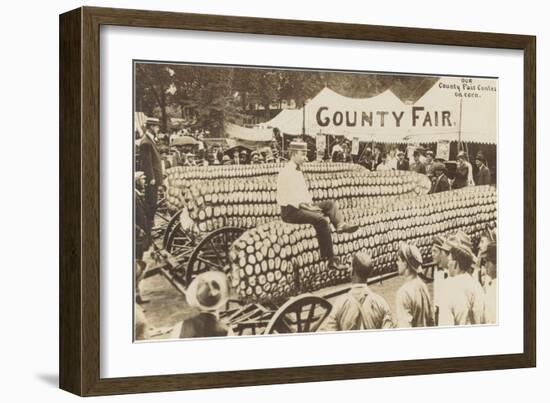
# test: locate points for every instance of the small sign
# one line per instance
(443, 149)
(321, 143)
(355, 146)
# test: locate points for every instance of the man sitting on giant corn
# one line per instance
(297, 206)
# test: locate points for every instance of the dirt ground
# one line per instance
(166, 303)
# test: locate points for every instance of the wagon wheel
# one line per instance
(180, 244)
(212, 253)
(162, 207)
(172, 223)
(301, 314)
(176, 240)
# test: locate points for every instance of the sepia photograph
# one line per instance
(273, 200)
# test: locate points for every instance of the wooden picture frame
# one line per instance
(80, 197)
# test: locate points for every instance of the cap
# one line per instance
(480, 157)
(410, 254)
(362, 264)
(441, 243)
(439, 166)
(462, 241)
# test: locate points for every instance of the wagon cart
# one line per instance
(212, 206)
(274, 267)
(302, 313)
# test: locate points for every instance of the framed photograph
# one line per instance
(249, 201)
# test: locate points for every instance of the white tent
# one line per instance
(453, 108)
(364, 118)
(288, 121)
(255, 134)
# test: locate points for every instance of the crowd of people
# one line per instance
(464, 283)
(464, 292)
(464, 289)
(200, 153)
(423, 162)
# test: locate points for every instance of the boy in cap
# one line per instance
(297, 206)
(484, 174)
(402, 163)
(463, 300)
(412, 302)
(360, 308)
(440, 180)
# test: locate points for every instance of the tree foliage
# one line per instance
(218, 94)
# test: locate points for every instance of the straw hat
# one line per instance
(208, 291)
(152, 122)
(298, 146)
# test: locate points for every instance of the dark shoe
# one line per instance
(142, 301)
(349, 228)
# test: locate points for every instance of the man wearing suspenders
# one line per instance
(360, 308)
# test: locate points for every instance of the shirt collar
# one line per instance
(294, 165)
(359, 286)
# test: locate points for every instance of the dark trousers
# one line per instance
(293, 215)
(151, 199)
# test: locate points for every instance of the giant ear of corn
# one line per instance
(276, 260)
(244, 195)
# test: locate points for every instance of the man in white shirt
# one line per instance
(440, 256)
(392, 159)
(462, 301)
(384, 164)
(297, 206)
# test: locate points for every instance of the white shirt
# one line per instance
(462, 301)
(438, 284)
(413, 305)
(491, 301)
(292, 188)
(392, 163)
(360, 308)
(470, 175)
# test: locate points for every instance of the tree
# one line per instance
(154, 84)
